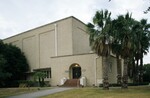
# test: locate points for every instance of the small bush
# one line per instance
(137, 84)
(29, 83)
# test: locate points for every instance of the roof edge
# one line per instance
(44, 25)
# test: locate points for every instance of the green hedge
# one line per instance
(129, 84)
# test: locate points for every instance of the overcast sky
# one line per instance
(17, 16)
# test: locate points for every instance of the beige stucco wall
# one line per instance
(112, 71)
(72, 41)
(65, 37)
(46, 48)
(91, 66)
(80, 37)
(29, 50)
(38, 44)
(99, 73)
(61, 65)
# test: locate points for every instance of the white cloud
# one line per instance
(17, 16)
(21, 15)
(7, 28)
(146, 58)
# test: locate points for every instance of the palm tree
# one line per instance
(123, 39)
(145, 30)
(140, 31)
(99, 40)
(116, 48)
(136, 47)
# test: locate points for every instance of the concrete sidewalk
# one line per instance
(41, 93)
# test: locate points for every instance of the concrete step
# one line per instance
(72, 83)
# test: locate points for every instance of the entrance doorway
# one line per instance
(75, 71)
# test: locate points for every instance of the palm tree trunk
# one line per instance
(137, 71)
(134, 71)
(125, 75)
(105, 73)
(118, 70)
(141, 68)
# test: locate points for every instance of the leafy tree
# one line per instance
(100, 40)
(3, 73)
(147, 10)
(146, 75)
(14, 63)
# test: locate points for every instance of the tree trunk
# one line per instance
(39, 82)
(105, 73)
(134, 72)
(137, 71)
(141, 68)
(118, 70)
(125, 75)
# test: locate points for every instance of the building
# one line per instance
(61, 49)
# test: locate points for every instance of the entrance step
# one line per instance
(72, 83)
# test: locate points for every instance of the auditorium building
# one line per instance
(61, 50)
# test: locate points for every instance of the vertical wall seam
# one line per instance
(56, 46)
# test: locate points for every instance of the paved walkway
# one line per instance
(40, 93)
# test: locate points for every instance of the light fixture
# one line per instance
(76, 65)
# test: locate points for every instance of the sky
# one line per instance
(17, 16)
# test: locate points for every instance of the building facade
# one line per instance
(61, 49)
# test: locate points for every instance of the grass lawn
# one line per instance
(132, 92)
(4, 92)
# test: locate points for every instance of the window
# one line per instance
(46, 71)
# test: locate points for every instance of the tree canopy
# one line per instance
(128, 38)
(100, 39)
(13, 65)
(146, 76)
